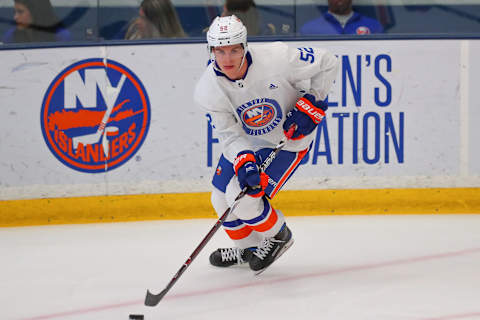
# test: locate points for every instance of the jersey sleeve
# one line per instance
(227, 127)
(317, 65)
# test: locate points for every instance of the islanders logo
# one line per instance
(260, 116)
(363, 30)
(95, 115)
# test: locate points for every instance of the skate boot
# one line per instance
(271, 249)
(226, 257)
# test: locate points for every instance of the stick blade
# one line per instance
(151, 300)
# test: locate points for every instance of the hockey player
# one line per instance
(254, 95)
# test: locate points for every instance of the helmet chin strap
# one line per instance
(245, 49)
(214, 61)
(243, 59)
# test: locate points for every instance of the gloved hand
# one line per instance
(306, 115)
(249, 175)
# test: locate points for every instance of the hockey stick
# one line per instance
(112, 94)
(151, 299)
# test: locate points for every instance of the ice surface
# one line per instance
(340, 267)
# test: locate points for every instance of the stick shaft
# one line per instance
(151, 299)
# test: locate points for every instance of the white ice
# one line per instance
(340, 267)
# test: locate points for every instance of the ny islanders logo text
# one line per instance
(260, 116)
(95, 115)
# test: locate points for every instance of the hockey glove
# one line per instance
(249, 175)
(306, 115)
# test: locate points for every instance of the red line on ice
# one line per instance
(280, 280)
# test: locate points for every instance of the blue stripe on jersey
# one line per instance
(223, 174)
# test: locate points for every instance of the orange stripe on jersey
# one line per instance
(267, 225)
(240, 233)
(300, 156)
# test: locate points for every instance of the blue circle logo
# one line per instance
(95, 115)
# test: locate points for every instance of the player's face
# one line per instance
(229, 59)
(22, 16)
(340, 6)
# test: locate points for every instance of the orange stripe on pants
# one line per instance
(267, 225)
(240, 233)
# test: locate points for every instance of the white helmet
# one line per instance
(226, 31)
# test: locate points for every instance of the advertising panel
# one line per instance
(122, 120)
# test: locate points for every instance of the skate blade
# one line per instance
(282, 251)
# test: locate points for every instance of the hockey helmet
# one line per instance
(226, 31)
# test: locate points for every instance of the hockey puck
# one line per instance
(136, 317)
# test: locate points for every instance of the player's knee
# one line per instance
(232, 191)
(219, 202)
(249, 207)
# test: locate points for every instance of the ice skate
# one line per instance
(270, 250)
(226, 257)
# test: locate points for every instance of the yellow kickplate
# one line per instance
(197, 205)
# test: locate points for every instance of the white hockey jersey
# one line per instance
(248, 114)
